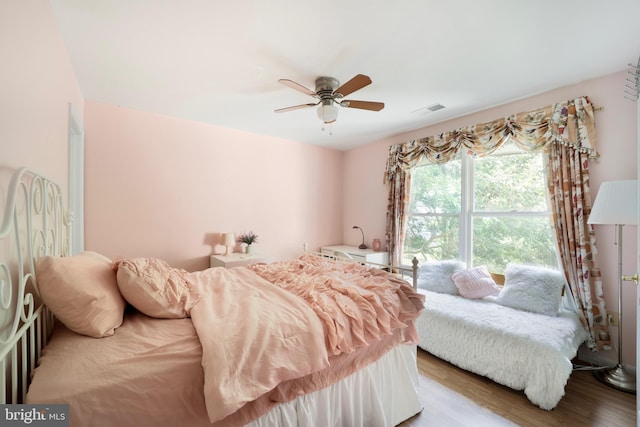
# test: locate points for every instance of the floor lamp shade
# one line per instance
(617, 203)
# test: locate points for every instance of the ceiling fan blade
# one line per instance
(356, 83)
(295, 107)
(297, 86)
(363, 105)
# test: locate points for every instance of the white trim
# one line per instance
(637, 105)
(468, 214)
(467, 182)
(76, 182)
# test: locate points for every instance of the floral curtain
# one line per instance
(568, 183)
(566, 130)
(397, 213)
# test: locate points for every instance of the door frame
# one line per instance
(76, 183)
(637, 103)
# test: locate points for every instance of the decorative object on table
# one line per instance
(230, 242)
(248, 238)
(362, 245)
(616, 203)
(219, 249)
(377, 245)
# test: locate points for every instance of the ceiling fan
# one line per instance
(329, 92)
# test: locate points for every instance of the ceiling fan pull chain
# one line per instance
(330, 128)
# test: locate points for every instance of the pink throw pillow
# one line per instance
(155, 288)
(475, 283)
(81, 291)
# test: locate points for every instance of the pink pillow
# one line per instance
(81, 291)
(475, 283)
(155, 288)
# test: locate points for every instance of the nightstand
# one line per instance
(235, 260)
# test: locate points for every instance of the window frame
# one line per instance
(468, 214)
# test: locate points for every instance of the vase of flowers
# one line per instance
(248, 239)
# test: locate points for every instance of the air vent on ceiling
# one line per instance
(429, 109)
(435, 107)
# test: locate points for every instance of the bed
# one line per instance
(522, 335)
(311, 341)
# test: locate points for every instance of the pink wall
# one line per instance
(365, 196)
(37, 84)
(165, 187)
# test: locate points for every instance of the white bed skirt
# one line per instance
(382, 394)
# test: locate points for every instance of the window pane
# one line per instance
(436, 188)
(498, 241)
(510, 183)
(431, 238)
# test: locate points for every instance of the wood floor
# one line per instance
(453, 397)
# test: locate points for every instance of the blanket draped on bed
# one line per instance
(260, 330)
(253, 335)
(522, 350)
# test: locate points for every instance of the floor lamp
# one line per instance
(617, 203)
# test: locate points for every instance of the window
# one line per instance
(486, 211)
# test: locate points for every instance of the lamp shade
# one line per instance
(229, 239)
(327, 112)
(616, 203)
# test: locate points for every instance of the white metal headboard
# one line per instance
(34, 224)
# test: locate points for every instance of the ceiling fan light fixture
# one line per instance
(327, 111)
(329, 93)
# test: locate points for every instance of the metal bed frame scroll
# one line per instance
(34, 224)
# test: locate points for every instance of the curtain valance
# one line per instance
(569, 123)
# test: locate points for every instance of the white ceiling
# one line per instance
(219, 61)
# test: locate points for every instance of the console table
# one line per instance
(361, 255)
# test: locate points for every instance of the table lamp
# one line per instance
(230, 242)
(362, 246)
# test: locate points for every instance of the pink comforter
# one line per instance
(256, 336)
(357, 304)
